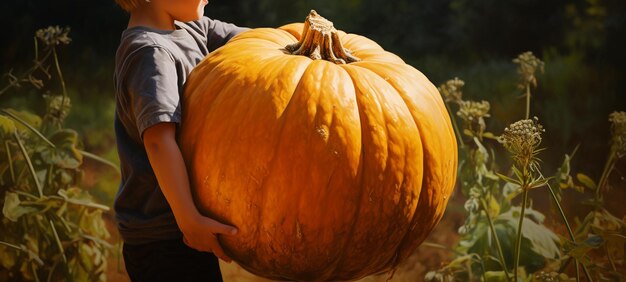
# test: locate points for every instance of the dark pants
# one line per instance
(170, 260)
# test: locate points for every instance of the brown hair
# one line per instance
(128, 5)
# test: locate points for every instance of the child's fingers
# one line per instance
(206, 247)
(217, 250)
(220, 228)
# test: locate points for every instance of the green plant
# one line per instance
(51, 229)
(504, 239)
(598, 240)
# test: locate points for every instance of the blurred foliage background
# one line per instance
(581, 41)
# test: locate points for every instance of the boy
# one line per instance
(165, 237)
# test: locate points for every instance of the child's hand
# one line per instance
(201, 234)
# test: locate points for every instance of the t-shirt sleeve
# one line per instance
(152, 87)
(219, 32)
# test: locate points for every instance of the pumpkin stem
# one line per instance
(320, 40)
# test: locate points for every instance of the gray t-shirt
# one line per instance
(151, 67)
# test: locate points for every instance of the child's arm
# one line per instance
(219, 32)
(167, 162)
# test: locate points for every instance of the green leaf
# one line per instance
(472, 239)
(493, 208)
(533, 253)
(596, 203)
(78, 196)
(578, 188)
(89, 264)
(482, 155)
(539, 183)
(41, 175)
(565, 167)
(460, 260)
(64, 154)
(92, 224)
(489, 135)
(542, 240)
(586, 180)
(8, 256)
(510, 191)
(98, 241)
(496, 276)
(63, 177)
(489, 174)
(31, 246)
(7, 127)
(579, 251)
(507, 179)
(518, 173)
(31, 168)
(468, 132)
(13, 209)
(31, 249)
(25, 119)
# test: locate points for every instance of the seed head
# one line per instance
(472, 110)
(451, 90)
(54, 35)
(522, 139)
(528, 65)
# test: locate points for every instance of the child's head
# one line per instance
(180, 10)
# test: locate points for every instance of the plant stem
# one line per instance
(37, 65)
(54, 266)
(442, 247)
(320, 40)
(58, 67)
(25, 250)
(608, 254)
(527, 101)
(608, 166)
(482, 265)
(29, 163)
(10, 161)
(566, 264)
(495, 237)
(569, 230)
(518, 242)
(34, 130)
(34, 269)
(57, 239)
(101, 160)
(11, 245)
(455, 126)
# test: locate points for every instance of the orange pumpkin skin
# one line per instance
(329, 171)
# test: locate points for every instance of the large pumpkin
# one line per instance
(333, 163)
